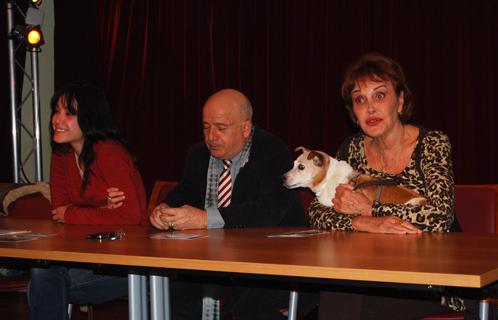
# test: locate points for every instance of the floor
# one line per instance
(13, 305)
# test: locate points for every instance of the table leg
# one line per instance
(293, 297)
(160, 307)
(484, 309)
(137, 295)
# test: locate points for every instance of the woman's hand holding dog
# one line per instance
(349, 201)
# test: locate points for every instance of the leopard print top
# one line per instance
(429, 173)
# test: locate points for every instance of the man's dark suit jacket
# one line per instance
(258, 197)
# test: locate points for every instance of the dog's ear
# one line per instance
(317, 157)
(301, 148)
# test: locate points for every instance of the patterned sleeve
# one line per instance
(435, 163)
(323, 217)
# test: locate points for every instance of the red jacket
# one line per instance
(112, 167)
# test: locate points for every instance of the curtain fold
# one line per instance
(158, 60)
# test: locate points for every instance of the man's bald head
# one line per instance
(227, 123)
(234, 99)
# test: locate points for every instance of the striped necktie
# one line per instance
(225, 185)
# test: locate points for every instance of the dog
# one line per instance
(321, 173)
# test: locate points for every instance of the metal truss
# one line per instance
(17, 49)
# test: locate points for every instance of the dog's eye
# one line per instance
(300, 167)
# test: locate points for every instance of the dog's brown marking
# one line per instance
(322, 161)
(388, 193)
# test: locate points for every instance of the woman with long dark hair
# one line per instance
(90, 172)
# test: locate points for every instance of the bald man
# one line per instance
(258, 161)
(258, 198)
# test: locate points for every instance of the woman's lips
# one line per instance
(373, 121)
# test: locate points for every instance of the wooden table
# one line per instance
(457, 259)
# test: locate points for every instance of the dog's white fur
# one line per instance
(322, 174)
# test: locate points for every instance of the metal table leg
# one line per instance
(293, 298)
(137, 293)
(484, 309)
(160, 307)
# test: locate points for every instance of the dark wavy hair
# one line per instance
(377, 66)
(95, 119)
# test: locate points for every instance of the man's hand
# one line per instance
(155, 217)
(389, 224)
(186, 217)
(349, 201)
(58, 213)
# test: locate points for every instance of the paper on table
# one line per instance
(12, 231)
(177, 236)
(297, 234)
(21, 237)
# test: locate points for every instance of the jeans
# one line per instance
(52, 289)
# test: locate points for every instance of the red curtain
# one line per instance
(158, 60)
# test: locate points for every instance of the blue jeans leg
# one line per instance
(89, 288)
(47, 293)
(52, 289)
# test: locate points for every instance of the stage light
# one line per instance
(30, 32)
(36, 2)
(33, 37)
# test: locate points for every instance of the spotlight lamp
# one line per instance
(36, 2)
(33, 37)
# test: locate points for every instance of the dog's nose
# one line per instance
(284, 179)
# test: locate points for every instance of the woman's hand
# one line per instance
(349, 201)
(115, 198)
(389, 224)
(58, 213)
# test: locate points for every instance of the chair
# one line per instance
(23, 201)
(159, 192)
(476, 208)
(29, 201)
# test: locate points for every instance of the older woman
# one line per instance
(380, 103)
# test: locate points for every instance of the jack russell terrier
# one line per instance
(321, 173)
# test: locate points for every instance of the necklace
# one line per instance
(387, 163)
(80, 171)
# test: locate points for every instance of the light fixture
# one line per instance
(36, 2)
(30, 32)
(33, 37)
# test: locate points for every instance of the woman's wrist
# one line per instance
(357, 223)
(366, 210)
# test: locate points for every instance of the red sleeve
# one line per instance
(58, 181)
(112, 167)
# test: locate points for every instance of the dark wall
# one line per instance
(158, 60)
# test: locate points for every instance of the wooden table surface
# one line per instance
(457, 259)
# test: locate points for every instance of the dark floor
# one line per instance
(13, 305)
